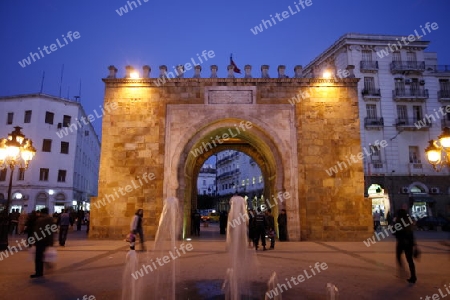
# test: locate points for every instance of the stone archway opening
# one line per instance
(255, 144)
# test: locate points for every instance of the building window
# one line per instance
(402, 113)
(10, 119)
(204, 182)
(47, 146)
(61, 175)
(375, 154)
(399, 86)
(371, 110)
(414, 156)
(260, 179)
(3, 174)
(65, 147)
(21, 174)
(396, 56)
(253, 180)
(27, 117)
(444, 85)
(417, 113)
(43, 174)
(411, 58)
(66, 121)
(49, 117)
(369, 84)
(367, 55)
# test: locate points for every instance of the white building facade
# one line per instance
(404, 100)
(239, 173)
(206, 182)
(64, 171)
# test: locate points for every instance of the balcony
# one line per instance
(416, 95)
(445, 123)
(416, 168)
(408, 67)
(371, 94)
(443, 96)
(373, 123)
(376, 168)
(439, 69)
(413, 124)
(368, 66)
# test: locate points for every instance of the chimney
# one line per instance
(146, 71)
(197, 70)
(298, 71)
(230, 69)
(350, 69)
(128, 70)
(180, 71)
(112, 71)
(162, 71)
(248, 71)
(265, 71)
(281, 70)
(214, 70)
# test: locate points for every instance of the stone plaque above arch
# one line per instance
(230, 94)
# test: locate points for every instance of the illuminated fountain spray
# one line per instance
(242, 260)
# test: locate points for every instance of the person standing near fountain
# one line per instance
(261, 224)
(136, 227)
(282, 225)
(270, 228)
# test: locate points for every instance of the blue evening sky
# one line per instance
(173, 32)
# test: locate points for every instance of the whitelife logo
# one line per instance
(71, 36)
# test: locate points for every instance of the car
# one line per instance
(430, 223)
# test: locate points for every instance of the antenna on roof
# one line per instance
(60, 83)
(42, 82)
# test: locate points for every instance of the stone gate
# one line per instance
(159, 134)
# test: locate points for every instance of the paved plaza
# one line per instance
(95, 268)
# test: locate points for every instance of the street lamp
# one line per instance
(438, 152)
(15, 151)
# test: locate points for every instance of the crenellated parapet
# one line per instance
(179, 71)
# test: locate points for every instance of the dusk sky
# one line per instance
(173, 32)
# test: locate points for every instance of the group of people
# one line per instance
(262, 224)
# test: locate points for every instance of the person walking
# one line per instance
(282, 225)
(63, 222)
(29, 224)
(136, 226)
(270, 228)
(405, 242)
(260, 232)
(43, 222)
(87, 218)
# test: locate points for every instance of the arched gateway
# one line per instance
(156, 137)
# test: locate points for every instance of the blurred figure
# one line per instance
(282, 225)
(136, 226)
(45, 240)
(22, 219)
(405, 242)
(251, 228)
(223, 218)
(63, 222)
(260, 229)
(29, 224)
(87, 218)
(197, 217)
(270, 228)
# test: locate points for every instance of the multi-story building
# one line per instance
(239, 173)
(206, 182)
(64, 171)
(403, 95)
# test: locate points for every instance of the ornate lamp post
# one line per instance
(16, 151)
(438, 152)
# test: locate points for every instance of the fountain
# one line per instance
(150, 277)
(272, 285)
(242, 260)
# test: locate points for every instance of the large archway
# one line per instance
(256, 143)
